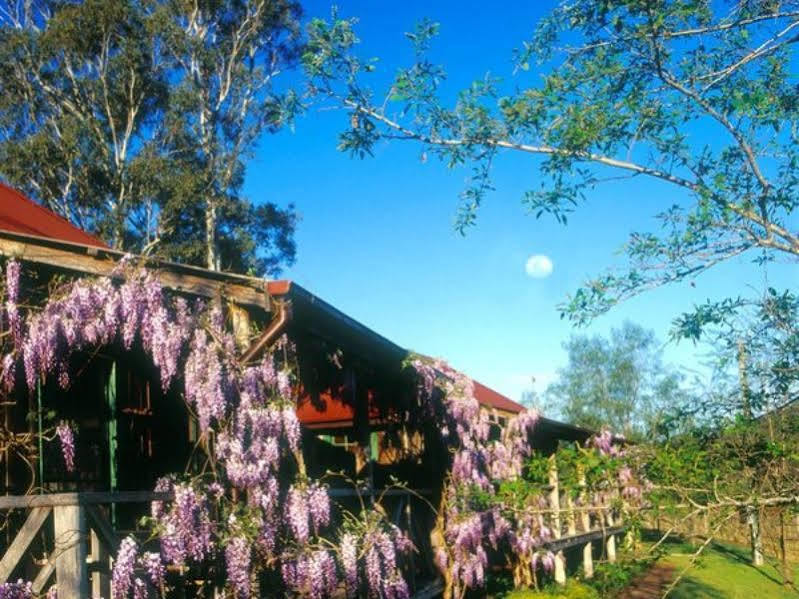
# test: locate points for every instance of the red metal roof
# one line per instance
(22, 215)
(489, 397)
(331, 410)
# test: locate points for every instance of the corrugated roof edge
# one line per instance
(297, 293)
(85, 237)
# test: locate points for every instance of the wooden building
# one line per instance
(355, 390)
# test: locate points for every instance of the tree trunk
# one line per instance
(211, 252)
(746, 405)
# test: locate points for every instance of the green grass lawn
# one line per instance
(724, 572)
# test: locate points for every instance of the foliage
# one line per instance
(609, 579)
(572, 590)
(619, 383)
(755, 338)
(696, 96)
(133, 120)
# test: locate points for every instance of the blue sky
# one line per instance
(377, 240)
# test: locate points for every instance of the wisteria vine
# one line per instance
(258, 511)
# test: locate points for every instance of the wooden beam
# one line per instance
(242, 330)
(99, 564)
(585, 520)
(21, 542)
(10, 502)
(610, 542)
(582, 538)
(246, 291)
(103, 528)
(43, 576)
(71, 573)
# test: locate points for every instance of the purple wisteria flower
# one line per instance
(348, 549)
(186, 529)
(12, 297)
(152, 564)
(297, 512)
(548, 561)
(318, 506)
(237, 559)
(67, 440)
(16, 590)
(92, 313)
(205, 381)
(9, 372)
(311, 574)
(123, 572)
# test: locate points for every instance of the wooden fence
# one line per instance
(84, 540)
(581, 525)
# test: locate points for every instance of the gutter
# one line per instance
(272, 332)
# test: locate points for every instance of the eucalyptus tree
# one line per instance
(697, 96)
(134, 119)
(223, 58)
(618, 382)
(80, 85)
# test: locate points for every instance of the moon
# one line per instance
(539, 266)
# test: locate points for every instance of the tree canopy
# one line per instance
(617, 382)
(695, 95)
(134, 120)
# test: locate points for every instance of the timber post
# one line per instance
(610, 543)
(99, 558)
(70, 551)
(585, 516)
(554, 504)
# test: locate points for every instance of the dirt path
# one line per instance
(650, 584)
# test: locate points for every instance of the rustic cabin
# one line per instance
(355, 395)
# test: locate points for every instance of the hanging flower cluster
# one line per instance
(12, 321)
(186, 528)
(472, 530)
(124, 579)
(12, 298)
(92, 313)
(258, 509)
(378, 573)
(67, 440)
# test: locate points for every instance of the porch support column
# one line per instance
(70, 550)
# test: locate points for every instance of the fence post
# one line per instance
(554, 504)
(610, 543)
(70, 548)
(100, 558)
(585, 518)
